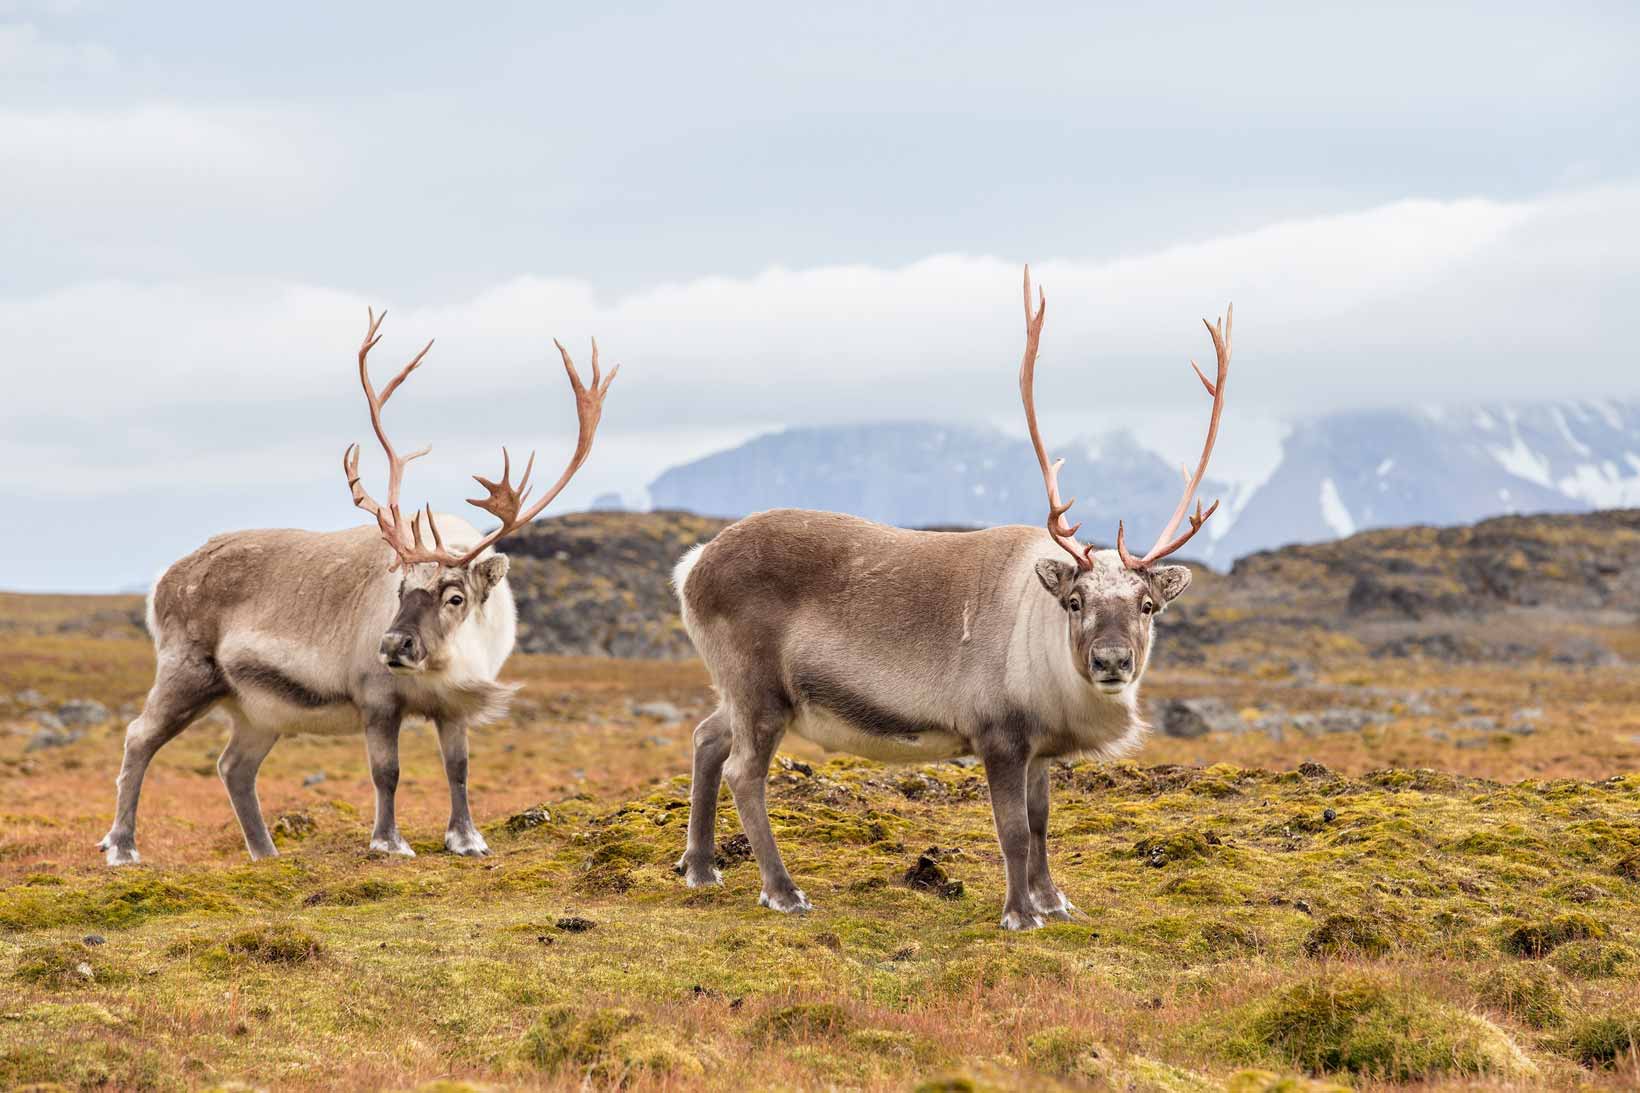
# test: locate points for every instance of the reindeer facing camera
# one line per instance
(911, 646)
(343, 632)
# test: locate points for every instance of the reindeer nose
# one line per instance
(1111, 660)
(397, 645)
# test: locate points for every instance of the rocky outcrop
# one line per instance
(600, 583)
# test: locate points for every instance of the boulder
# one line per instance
(1193, 717)
(83, 712)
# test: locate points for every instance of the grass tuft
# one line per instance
(1369, 1025)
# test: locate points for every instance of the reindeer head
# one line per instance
(1110, 597)
(434, 602)
(1109, 612)
(442, 588)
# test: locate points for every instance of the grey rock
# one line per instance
(46, 720)
(1338, 719)
(1192, 717)
(314, 779)
(51, 738)
(1583, 652)
(83, 711)
(659, 710)
(1415, 705)
(528, 819)
(1478, 724)
(30, 697)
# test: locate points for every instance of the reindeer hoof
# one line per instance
(468, 844)
(696, 874)
(1021, 920)
(1057, 907)
(396, 846)
(120, 855)
(793, 902)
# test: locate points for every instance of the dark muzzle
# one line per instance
(1111, 663)
(402, 649)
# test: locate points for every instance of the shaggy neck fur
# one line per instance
(1041, 672)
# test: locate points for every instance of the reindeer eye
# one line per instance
(1074, 604)
(1148, 607)
(455, 600)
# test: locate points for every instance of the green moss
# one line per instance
(1266, 1081)
(1603, 1040)
(799, 1021)
(1538, 938)
(274, 944)
(607, 1045)
(133, 896)
(1180, 845)
(67, 964)
(66, 1015)
(951, 1083)
(94, 1063)
(365, 891)
(1378, 1028)
(1595, 959)
(989, 969)
(885, 1043)
(1066, 1052)
(1531, 992)
(1365, 935)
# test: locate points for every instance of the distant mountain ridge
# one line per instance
(1338, 473)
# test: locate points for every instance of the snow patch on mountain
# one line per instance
(1520, 460)
(1334, 511)
(1278, 482)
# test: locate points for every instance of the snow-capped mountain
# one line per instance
(920, 474)
(1337, 474)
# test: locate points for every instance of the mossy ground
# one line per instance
(1439, 929)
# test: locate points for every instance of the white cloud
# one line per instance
(164, 156)
(221, 383)
(1417, 300)
(25, 51)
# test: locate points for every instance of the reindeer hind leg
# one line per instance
(712, 745)
(237, 765)
(758, 727)
(186, 683)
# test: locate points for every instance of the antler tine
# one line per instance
(389, 518)
(506, 500)
(1165, 545)
(1062, 534)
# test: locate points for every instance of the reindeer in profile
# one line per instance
(909, 646)
(343, 632)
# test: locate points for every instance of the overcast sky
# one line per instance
(769, 217)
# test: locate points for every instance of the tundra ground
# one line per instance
(1447, 896)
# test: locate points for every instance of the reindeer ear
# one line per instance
(1056, 576)
(1171, 581)
(489, 573)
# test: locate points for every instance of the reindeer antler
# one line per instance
(1220, 333)
(1063, 534)
(505, 500)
